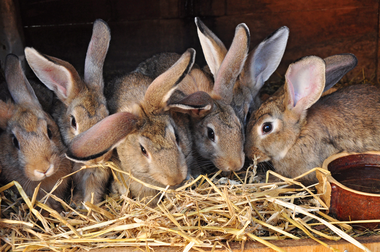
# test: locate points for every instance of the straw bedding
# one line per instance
(204, 213)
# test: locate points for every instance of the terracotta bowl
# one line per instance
(352, 191)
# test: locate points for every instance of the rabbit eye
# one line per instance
(267, 127)
(15, 142)
(210, 134)
(73, 122)
(49, 133)
(143, 150)
(176, 137)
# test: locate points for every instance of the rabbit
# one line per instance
(218, 131)
(257, 65)
(297, 129)
(31, 149)
(80, 104)
(140, 128)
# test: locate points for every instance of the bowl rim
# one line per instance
(331, 179)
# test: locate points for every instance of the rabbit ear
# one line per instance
(18, 85)
(264, 60)
(6, 112)
(96, 54)
(58, 75)
(337, 66)
(232, 64)
(102, 137)
(305, 81)
(198, 104)
(213, 48)
(160, 90)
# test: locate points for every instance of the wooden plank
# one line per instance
(372, 243)
(272, 8)
(319, 32)
(320, 28)
(378, 51)
(58, 12)
(195, 8)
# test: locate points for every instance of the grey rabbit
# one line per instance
(31, 149)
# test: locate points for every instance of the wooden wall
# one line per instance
(141, 28)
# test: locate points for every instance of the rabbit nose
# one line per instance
(48, 172)
(236, 165)
(177, 178)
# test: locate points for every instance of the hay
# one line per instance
(204, 213)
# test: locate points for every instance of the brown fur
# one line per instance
(150, 148)
(345, 120)
(31, 147)
(81, 103)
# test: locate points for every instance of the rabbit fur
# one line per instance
(146, 138)
(80, 105)
(32, 151)
(297, 129)
(217, 131)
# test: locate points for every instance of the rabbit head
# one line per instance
(82, 102)
(218, 128)
(217, 131)
(245, 72)
(143, 133)
(287, 126)
(31, 147)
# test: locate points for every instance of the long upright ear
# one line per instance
(213, 48)
(304, 84)
(198, 104)
(96, 54)
(232, 64)
(18, 85)
(264, 60)
(160, 90)
(58, 75)
(102, 137)
(337, 66)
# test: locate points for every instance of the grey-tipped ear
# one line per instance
(198, 104)
(264, 60)
(160, 90)
(232, 64)
(337, 66)
(213, 48)
(102, 137)
(18, 85)
(96, 54)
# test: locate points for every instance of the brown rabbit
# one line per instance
(218, 131)
(145, 136)
(297, 130)
(31, 150)
(81, 103)
(246, 78)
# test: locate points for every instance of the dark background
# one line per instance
(142, 28)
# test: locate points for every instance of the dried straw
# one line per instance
(203, 213)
